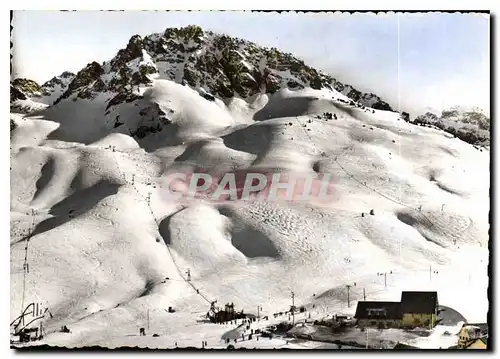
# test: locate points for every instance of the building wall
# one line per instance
(420, 320)
(389, 323)
(463, 338)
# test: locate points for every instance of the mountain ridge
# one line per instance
(216, 65)
(219, 64)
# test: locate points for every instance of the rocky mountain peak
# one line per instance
(218, 64)
(130, 52)
(62, 81)
(26, 86)
(22, 90)
(16, 94)
(185, 34)
(83, 80)
(470, 125)
(67, 74)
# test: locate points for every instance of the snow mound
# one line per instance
(117, 141)
(26, 106)
(209, 252)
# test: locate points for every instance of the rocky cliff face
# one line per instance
(21, 92)
(25, 89)
(215, 65)
(22, 89)
(52, 89)
(16, 94)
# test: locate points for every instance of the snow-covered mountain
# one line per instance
(213, 64)
(222, 65)
(21, 91)
(102, 249)
(26, 96)
(51, 90)
(470, 125)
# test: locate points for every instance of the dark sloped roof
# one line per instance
(378, 310)
(419, 302)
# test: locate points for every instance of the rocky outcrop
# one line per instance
(61, 81)
(83, 81)
(26, 86)
(26, 89)
(16, 94)
(223, 66)
(132, 51)
(471, 126)
(22, 91)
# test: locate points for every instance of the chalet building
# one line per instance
(473, 336)
(222, 316)
(416, 309)
(378, 314)
(419, 309)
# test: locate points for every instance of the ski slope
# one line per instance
(104, 238)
